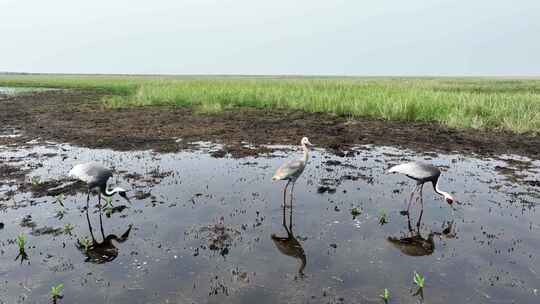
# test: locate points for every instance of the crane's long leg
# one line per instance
(285, 193)
(284, 221)
(88, 200)
(422, 206)
(410, 201)
(415, 190)
(292, 191)
(90, 227)
(409, 224)
(290, 220)
(101, 224)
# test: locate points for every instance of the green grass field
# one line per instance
(478, 103)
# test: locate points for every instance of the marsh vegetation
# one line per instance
(478, 103)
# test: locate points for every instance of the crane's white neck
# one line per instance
(112, 192)
(440, 192)
(305, 148)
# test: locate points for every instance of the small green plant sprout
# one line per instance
(383, 218)
(108, 211)
(385, 295)
(60, 214)
(355, 212)
(56, 292)
(60, 199)
(108, 201)
(68, 228)
(35, 180)
(85, 243)
(419, 280)
(21, 242)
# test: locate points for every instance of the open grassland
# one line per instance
(478, 103)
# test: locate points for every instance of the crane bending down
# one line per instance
(291, 170)
(422, 173)
(96, 176)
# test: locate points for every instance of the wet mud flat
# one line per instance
(79, 117)
(207, 229)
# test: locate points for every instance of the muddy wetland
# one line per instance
(206, 223)
(203, 229)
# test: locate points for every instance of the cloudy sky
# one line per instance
(337, 37)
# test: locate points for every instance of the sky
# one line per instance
(272, 37)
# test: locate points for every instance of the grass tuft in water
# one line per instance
(418, 279)
(85, 243)
(68, 228)
(60, 214)
(35, 181)
(383, 218)
(355, 212)
(385, 295)
(60, 199)
(56, 292)
(108, 201)
(21, 242)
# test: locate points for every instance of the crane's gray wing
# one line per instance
(417, 170)
(91, 173)
(289, 169)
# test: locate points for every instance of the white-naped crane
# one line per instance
(96, 175)
(422, 173)
(291, 170)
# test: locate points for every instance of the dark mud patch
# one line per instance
(8, 172)
(331, 163)
(150, 178)
(328, 185)
(46, 230)
(12, 175)
(53, 187)
(141, 195)
(79, 117)
(517, 170)
(533, 183)
(326, 189)
(28, 222)
(217, 238)
(158, 174)
(109, 211)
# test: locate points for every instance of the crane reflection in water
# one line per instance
(414, 244)
(289, 245)
(104, 251)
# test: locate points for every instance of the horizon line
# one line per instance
(279, 75)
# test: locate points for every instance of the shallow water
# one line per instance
(210, 230)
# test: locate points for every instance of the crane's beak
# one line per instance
(309, 144)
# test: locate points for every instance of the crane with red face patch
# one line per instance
(422, 173)
(96, 175)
